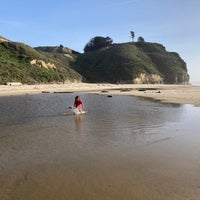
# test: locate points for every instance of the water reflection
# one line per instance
(78, 123)
(176, 105)
(124, 148)
(117, 116)
(128, 114)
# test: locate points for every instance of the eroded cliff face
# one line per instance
(157, 79)
(182, 79)
(148, 79)
(169, 64)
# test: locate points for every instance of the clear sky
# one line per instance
(72, 23)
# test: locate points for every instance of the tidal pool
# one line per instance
(123, 148)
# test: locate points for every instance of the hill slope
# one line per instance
(139, 62)
(132, 63)
(169, 64)
(19, 62)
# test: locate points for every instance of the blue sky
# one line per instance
(72, 23)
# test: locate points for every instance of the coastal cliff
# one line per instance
(139, 62)
(133, 62)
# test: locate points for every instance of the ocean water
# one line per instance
(195, 82)
(124, 148)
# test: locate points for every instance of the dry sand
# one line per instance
(180, 94)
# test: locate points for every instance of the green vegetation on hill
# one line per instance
(116, 63)
(131, 63)
(63, 59)
(15, 65)
(169, 64)
(102, 61)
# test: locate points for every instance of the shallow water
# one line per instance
(123, 148)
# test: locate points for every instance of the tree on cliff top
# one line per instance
(97, 43)
(141, 39)
(132, 35)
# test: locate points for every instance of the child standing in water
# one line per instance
(78, 103)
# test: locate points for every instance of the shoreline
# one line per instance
(178, 94)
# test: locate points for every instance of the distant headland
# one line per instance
(103, 61)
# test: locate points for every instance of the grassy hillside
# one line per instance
(15, 65)
(127, 62)
(63, 59)
(139, 62)
(117, 63)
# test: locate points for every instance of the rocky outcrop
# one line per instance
(182, 79)
(148, 79)
(41, 63)
(3, 39)
(69, 56)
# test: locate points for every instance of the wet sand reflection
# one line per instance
(78, 123)
(124, 148)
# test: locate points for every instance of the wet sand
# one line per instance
(164, 170)
(37, 166)
(180, 94)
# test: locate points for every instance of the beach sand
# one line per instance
(179, 94)
(45, 162)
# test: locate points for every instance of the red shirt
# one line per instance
(78, 103)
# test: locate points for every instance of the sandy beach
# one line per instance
(180, 94)
(124, 148)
